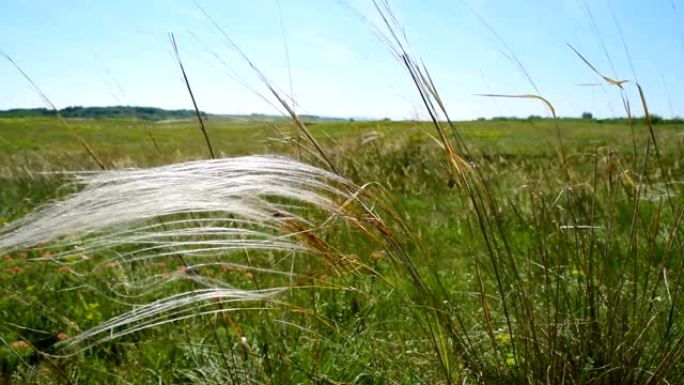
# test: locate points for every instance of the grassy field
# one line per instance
(521, 260)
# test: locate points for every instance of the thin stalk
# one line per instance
(203, 128)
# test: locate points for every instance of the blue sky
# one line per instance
(118, 52)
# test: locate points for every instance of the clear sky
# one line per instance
(98, 53)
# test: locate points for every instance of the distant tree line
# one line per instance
(116, 112)
(144, 113)
(655, 119)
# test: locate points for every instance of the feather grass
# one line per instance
(204, 210)
(170, 309)
(242, 189)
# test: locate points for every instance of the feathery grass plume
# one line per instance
(201, 211)
(238, 187)
(170, 309)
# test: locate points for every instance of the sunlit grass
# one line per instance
(375, 317)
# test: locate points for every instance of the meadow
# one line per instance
(511, 257)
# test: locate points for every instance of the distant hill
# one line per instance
(145, 113)
(271, 118)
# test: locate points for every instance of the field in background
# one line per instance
(25, 141)
(344, 336)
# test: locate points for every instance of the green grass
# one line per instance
(544, 301)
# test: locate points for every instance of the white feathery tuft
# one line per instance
(171, 309)
(238, 187)
(201, 211)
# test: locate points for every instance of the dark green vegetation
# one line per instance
(153, 114)
(532, 262)
(117, 112)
